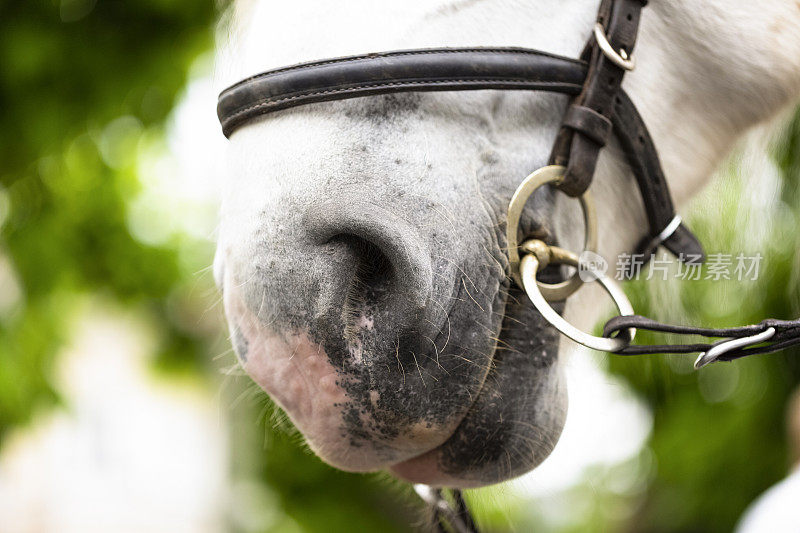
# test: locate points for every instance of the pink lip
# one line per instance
(425, 469)
(299, 377)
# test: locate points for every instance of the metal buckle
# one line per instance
(620, 58)
(714, 353)
(668, 231)
(541, 253)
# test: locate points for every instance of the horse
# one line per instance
(362, 251)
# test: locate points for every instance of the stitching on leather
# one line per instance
(272, 101)
(352, 59)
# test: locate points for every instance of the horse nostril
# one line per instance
(373, 272)
(370, 282)
(376, 264)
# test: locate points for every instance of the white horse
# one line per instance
(361, 250)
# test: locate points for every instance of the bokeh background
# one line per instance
(121, 405)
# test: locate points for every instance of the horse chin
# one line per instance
(486, 449)
(298, 375)
(516, 420)
(512, 423)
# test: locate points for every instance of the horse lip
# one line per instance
(466, 411)
(392, 466)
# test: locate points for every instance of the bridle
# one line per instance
(598, 108)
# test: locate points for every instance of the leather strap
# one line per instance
(589, 122)
(578, 148)
(787, 334)
(643, 159)
(582, 135)
(436, 69)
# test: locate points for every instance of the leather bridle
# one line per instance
(599, 107)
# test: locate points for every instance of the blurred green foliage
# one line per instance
(85, 89)
(719, 436)
(69, 69)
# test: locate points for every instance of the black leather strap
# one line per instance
(787, 334)
(438, 69)
(582, 136)
(643, 159)
(588, 122)
(575, 148)
(457, 517)
(463, 512)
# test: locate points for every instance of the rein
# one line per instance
(598, 108)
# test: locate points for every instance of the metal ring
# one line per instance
(620, 58)
(552, 292)
(529, 268)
